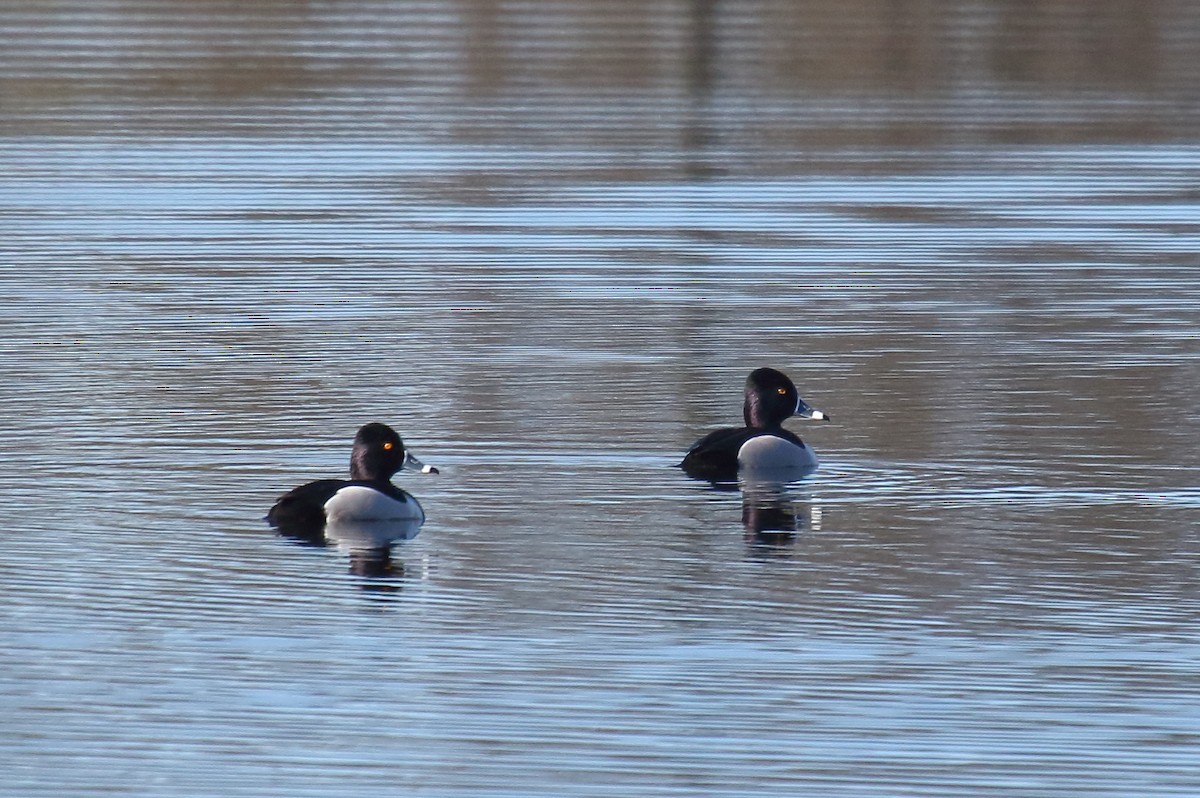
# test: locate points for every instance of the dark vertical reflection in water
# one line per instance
(700, 76)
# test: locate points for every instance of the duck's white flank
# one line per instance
(358, 503)
(771, 453)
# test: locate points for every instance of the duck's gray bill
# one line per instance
(803, 410)
(413, 464)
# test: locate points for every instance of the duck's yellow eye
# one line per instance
(781, 391)
(387, 447)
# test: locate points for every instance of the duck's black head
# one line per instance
(378, 452)
(771, 397)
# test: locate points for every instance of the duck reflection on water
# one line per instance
(367, 544)
(774, 513)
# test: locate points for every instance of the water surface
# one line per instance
(547, 244)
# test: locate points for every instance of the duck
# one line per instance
(368, 495)
(762, 446)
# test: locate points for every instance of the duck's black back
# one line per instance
(714, 457)
(301, 511)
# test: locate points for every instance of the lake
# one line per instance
(546, 242)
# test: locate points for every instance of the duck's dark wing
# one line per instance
(300, 513)
(714, 457)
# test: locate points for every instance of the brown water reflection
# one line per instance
(736, 76)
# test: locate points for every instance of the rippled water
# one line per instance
(547, 243)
